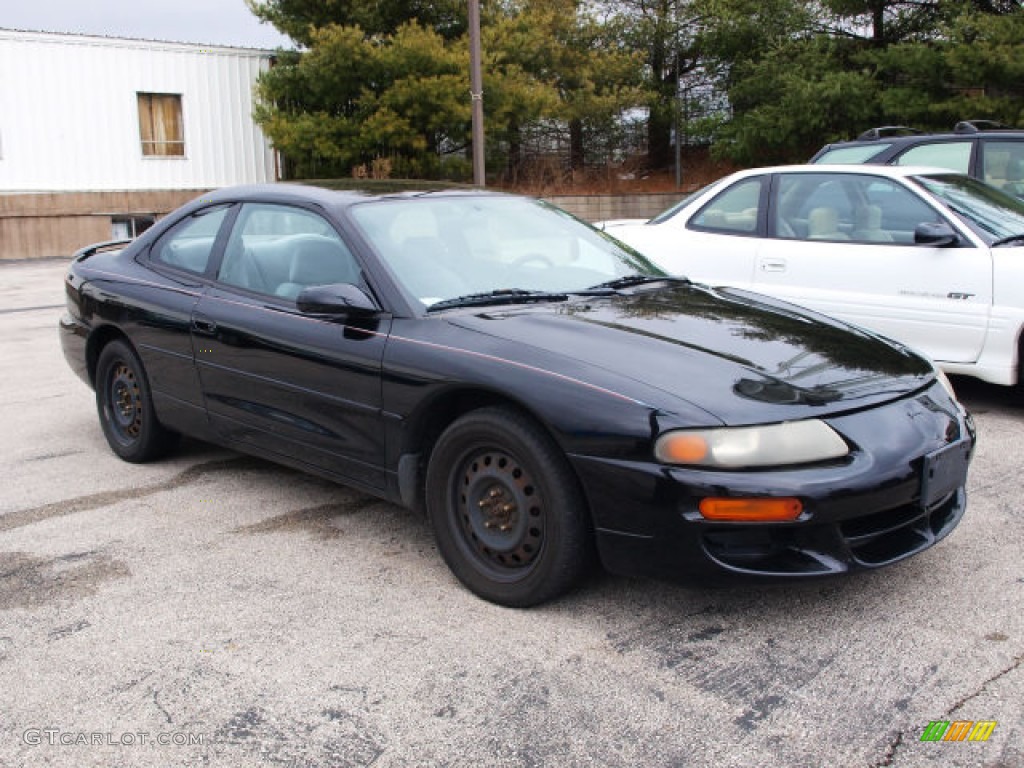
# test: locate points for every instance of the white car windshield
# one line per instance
(996, 214)
(668, 213)
(441, 247)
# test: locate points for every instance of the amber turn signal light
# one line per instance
(751, 510)
(683, 448)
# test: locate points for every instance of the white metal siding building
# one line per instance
(101, 136)
(69, 114)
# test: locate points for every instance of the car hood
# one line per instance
(639, 234)
(608, 224)
(743, 357)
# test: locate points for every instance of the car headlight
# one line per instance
(772, 445)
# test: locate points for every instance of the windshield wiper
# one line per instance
(1008, 240)
(499, 296)
(630, 281)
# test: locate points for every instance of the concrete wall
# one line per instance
(601, 207)
(47, 224)
(58, 224)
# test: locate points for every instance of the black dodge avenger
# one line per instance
(544, 394)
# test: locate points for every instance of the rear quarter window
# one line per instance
(189, 244)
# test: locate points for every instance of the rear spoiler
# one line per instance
(91, 250)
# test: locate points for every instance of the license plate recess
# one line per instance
(944, 471)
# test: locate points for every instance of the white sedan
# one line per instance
(932, 258)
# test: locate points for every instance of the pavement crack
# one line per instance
(894, 745)
(37, 308)
(23, 517)
(1017, 660)
(156, 701)
(890, 752)
(66, 631)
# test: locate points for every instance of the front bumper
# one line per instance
(869, 510)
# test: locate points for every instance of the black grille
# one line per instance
(806, 550)
(885, 537)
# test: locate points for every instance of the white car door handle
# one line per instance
(773, 265)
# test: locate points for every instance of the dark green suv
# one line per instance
(980, 148)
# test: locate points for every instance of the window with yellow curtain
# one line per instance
(160, 124)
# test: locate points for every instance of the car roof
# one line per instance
(332, 198)
(888, 171)
(892, 139)
(906, 135)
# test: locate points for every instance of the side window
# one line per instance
(848, 208)
(896, 211)
(1003, 163)
(279, 250)
(815, 206)
(188, 245)
(733, 211)
(955, 155)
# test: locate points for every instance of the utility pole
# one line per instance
(476, 93)
(677, 107)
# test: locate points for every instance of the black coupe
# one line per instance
(545, 394)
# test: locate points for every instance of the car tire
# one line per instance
(125, 406)
(507, 511)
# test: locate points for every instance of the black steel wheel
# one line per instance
(506, 509)
(126, 408)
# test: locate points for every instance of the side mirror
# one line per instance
(341, 299)
(940, 235)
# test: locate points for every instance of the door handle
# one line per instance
(203, 325)
(773, 265)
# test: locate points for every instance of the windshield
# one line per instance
(850, 155)
(993, 213)
(668, 213)
(442, 247)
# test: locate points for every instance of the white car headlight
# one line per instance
(773, 445)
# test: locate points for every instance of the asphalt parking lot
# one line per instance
(217, 610)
